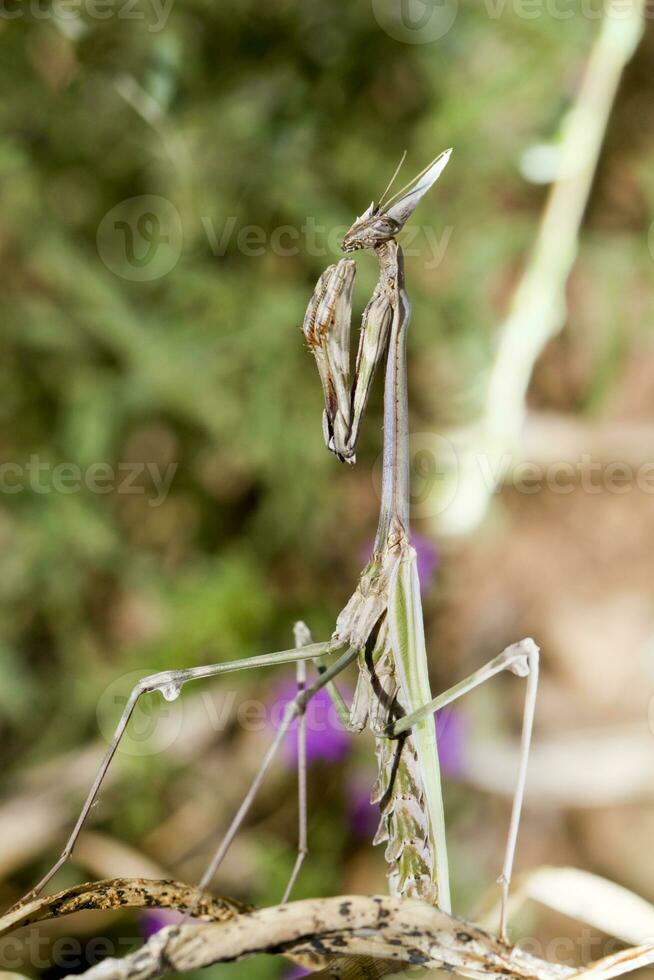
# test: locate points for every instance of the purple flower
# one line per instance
(293, 972)
(450, 733)
(153, 920)
(363, 816)
(428, 560)
(327, 739)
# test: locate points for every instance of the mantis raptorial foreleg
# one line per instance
(375, 325)
(326, 329)
(327, 325)
(170, 683)
(521, 659)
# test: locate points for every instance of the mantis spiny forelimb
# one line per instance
(381, 626)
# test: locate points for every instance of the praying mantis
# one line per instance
(381, 626)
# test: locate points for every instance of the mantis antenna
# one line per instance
(392, 180)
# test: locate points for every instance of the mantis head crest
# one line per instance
(383, 221)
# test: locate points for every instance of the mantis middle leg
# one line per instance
(169, 683)
(293, 710)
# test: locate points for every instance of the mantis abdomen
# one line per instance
(404, 821)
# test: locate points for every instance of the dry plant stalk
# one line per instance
(538, 306)
(360, 936)
(122, 893)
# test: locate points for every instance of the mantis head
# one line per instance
(383, 221)
(370, 230)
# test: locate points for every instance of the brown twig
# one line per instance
(367, 936)
(351, 937)
(122, 893)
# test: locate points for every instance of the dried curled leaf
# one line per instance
(586, 897)
(122, 893)
(134, 893)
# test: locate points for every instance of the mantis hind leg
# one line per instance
(293, 710)
(302, 638)
(521, 659)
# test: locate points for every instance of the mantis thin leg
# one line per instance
(521, 659)
(343, 710)
(169, 683)
(295, 708)
(302, 638)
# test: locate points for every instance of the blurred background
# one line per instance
(174, 178)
